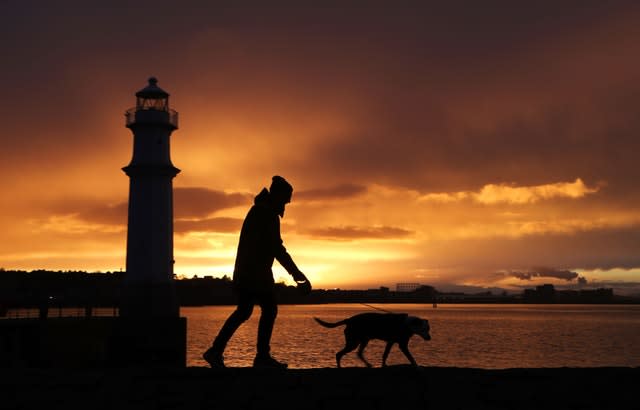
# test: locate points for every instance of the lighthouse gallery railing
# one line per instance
(130, 116)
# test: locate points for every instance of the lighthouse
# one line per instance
(148, 285)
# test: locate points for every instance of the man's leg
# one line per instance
(268, 315)
(242, 313)
(269, 309)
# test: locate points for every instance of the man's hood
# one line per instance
(264, 199)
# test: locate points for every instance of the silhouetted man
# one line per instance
(260, 243)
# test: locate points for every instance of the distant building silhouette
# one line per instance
(548, 294)
(543, 294)
(407, 287)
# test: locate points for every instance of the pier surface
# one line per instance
(349, 388)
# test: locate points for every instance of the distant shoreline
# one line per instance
(40, 288)
(53, 309)
(53, 312)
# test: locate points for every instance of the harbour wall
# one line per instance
(395, 387)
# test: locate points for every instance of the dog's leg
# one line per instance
(387, 349)
(350, 346)
(361, 352)
(404, 346)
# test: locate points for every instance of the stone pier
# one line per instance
(350, 388)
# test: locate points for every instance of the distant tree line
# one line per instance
(102, 289)
(20, 288)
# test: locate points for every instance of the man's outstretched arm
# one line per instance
(283, 257)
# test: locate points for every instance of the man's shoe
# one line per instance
(215, 360)
(268, 362)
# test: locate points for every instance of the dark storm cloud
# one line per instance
(428, 151)
(543, 272)
(86, 209)
(447, 114)
(192, 206)
(201, 202)
(359, 232)
(105, 214)
(401, 71)
(344, 191)
(406, 69)
(583, 250)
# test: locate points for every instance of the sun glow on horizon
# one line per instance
(507, 147)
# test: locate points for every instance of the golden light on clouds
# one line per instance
(508, 193)
(491, 194)
(426, 143)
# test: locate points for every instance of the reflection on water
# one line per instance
(482, 336)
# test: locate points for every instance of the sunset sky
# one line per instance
(460, 144)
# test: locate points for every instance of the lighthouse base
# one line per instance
(95, 342)
(150, 341)
(149, 331)
(144, 300)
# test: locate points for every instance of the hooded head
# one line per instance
(280, 192)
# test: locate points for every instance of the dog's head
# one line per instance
(419, 326)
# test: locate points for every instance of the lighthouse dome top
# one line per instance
(152, 90)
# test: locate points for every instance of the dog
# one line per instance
(389, 327)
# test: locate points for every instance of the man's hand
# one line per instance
(302, 283)
(299, 277)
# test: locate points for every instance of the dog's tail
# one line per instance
(330, 325)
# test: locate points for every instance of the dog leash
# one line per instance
(376, 308)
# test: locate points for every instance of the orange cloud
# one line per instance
(355, 232)
(343, 191)
(221, 224)
(491, 194)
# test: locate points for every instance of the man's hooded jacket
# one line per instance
(260, 243)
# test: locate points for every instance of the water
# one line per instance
(481, 336)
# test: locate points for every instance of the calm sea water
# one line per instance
(481, 336)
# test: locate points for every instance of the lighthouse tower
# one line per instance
(148, 287)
